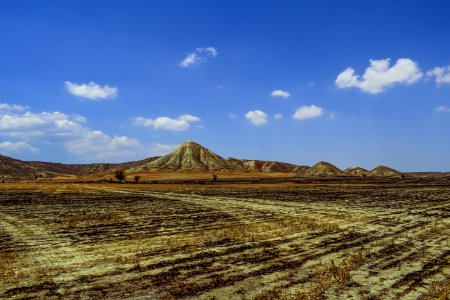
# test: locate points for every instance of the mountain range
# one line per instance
(188, 156)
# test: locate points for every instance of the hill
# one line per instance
(356, 171)
(323, 169)
(88, 169)
(383, 171)
(11, 168)
(265, 166)
(190, 156)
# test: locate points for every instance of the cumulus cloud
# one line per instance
(441, 74)
(12, 107)
(380, 75)
(256, 117)
(307, 112)
(198, 56)
(103, 146)
(178, 124)
(91, 91)
(7, 148)
(443, 109)
(280, 93)
(68, 131)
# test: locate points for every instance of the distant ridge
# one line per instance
(188, 156)
(11, 168)
(266, 166)
(323, 169)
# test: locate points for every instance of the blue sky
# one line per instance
(350, 82)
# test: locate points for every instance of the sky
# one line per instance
(354, 83)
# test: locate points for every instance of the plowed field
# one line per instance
(225, 241)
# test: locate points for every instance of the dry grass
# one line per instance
(9, 273)
(438, 290)
(96, 218)
(332, 274)
(267, 230)
(252, 232)
(265, 241)
(438, 229)
(323, 277)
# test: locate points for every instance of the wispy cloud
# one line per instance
(308, 112)
(8, 148)
(443, 109)
(232, 116)
(380, 75)
(332, 116)
(441, 74)
(12, 107)
(278, 117)
(198, 56)
(256, 117)
(175, 124)
(91, 91)
(280, 93)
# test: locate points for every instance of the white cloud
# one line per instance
(79, 119)
(12, 107)
(232, 116)
(70, 132)
(278, 117)
(91, 91)
(198, 56)
(179, 124)
(441, 74)
(256, 117)
(443, 109)
(102, 146)
(307, 112)
(280, 93)
(189, 118)
(380, 75)
(7, 148)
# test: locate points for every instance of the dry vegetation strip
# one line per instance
(228, 242)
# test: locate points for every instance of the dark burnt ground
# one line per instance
(382, 240)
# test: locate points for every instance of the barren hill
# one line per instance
(356, 171)
(88, 169)
(190, 156)
(265, 166)
(383, 171)
(323, 169)
(11, 168)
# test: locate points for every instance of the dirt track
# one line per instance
(287, 241)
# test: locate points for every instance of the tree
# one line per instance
(120, 175)
(137, 178)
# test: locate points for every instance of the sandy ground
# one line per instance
(225, 241)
